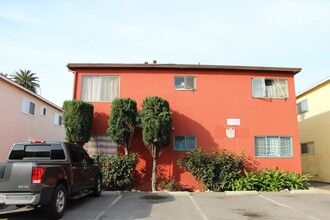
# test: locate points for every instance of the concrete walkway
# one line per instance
(324, 187)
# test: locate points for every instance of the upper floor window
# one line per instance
(302, 107)
(28, 107)
(269, 88)
(58, 119)
(184, 82)
(43, 111)
(273, 146)
(185, 143)
(99, 88)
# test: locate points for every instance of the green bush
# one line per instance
(270, 180)
(118, 171)
(216, 170)
(297, 181)
(222, 170)
(249, 181)
(275, 180)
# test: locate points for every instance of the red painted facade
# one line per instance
(222, 92)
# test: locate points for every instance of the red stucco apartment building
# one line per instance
(239, 108)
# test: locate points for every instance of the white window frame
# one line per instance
(184, 147)
(43, 111)
(272, 147)
(184, 85)
(58, 119)
(279, 88)
(302, 107)
(93, 89)
(310, 147)
(27, 107)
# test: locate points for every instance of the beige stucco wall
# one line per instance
(314, 126)
(15, 125)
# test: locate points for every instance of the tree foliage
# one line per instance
(156, 124)
(78, 121)
(27, 79)
(122, 122)
(4, 74)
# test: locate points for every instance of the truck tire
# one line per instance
(56, 207)
(98, 186)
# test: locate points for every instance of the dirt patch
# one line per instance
(250, 214)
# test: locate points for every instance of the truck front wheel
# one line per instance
(56, 208)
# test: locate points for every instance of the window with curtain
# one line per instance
(270, 88)
(100, 88)
(185, 83)
(273, 146)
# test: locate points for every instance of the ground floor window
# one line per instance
(100, 144)
(185, 143)
(273, 146)
(307, 148)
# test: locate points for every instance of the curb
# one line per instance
(311, 190)
(306, 191)
(181, 193)
(111, 193)
(241, 193)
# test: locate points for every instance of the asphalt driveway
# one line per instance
(310, 204)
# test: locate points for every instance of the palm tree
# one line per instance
(4, 74)
(27, 79)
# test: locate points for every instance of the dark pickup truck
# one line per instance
(46, 174)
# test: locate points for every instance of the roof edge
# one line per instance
(31, 93)
(313, 86)
(74, 66)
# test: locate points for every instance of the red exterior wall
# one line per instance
(220, 94)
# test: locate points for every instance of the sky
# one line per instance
(44, 36)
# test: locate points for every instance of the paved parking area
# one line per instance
(312, 204)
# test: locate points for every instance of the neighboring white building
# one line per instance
(26, 116)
